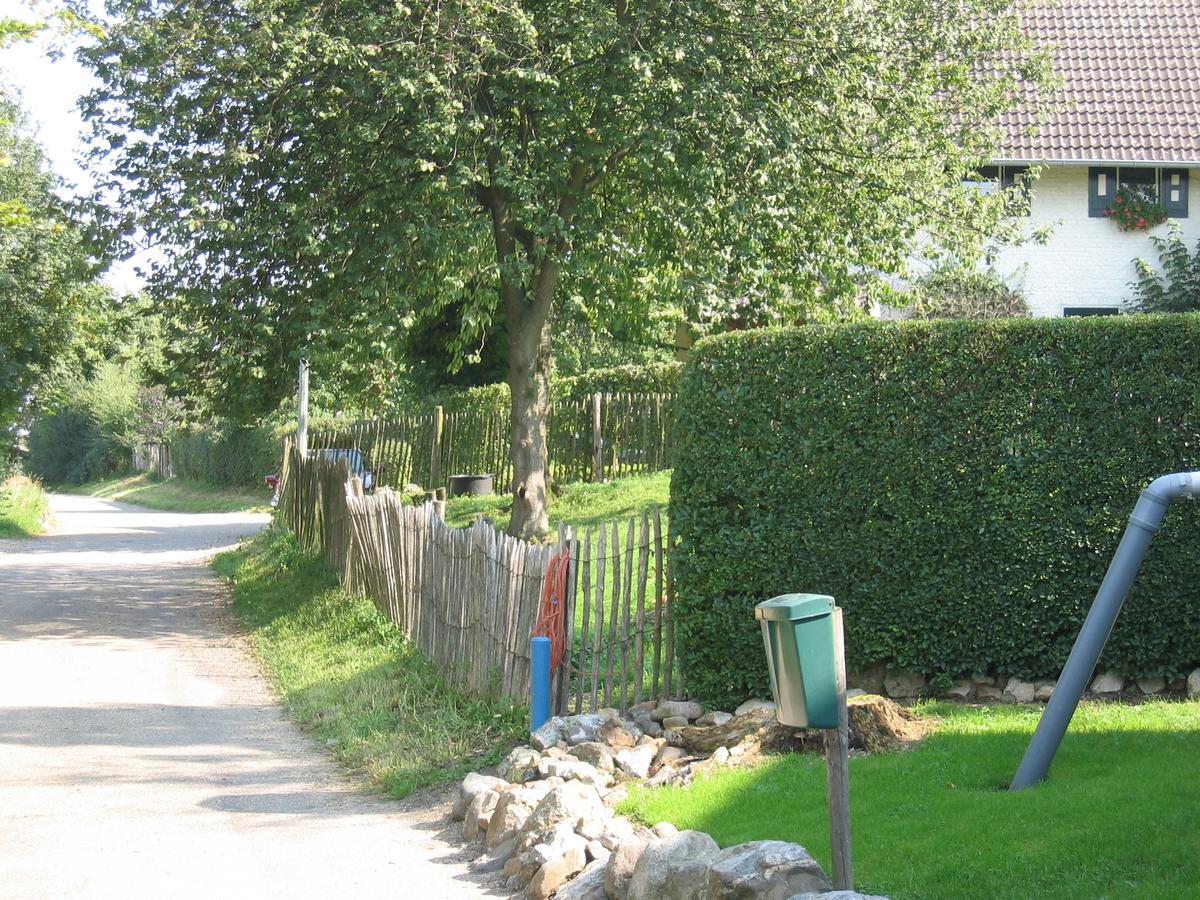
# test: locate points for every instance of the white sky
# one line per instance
(48, 90)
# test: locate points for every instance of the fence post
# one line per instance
(597, 441)
(435, 450)
(302, 411)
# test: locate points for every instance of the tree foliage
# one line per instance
(318, 170)
(957, 291)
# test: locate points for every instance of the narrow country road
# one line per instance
(141, 752)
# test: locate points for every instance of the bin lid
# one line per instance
(794, 607)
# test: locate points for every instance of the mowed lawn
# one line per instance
(176, 495)
(1119, 816)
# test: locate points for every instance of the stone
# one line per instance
(666, 863)
(714, 717)
(623, 862)
(616, 734)
(903, 683)
(988, 693)
(494, 860)
(587, 885)
(647, 706)
(665, 756)
(596, 754)
(855, 692)
(615, 831)
(636, 761)
(1018, 691)
(648, 725)
(520, 765)
(479, 815)
(590, 828)
(609, 712)
(664, 829)
(509, 816)
(961, 690)
(1151, 686)
(554, 873)
(571, 802)
(1044, 690)
(675, 722)
(578, 729)
(646, 739)
(472, 785)
(764, 869)
(1178, 686)
(616, 796)
(1193, 684)
(869, 679)
(688, 709)
(570, 768)
(836, 895)
(596, 850)
(548, 735)
(751, 705)
(720, 756)
(1107, 683)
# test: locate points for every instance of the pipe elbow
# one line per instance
(1178, 484)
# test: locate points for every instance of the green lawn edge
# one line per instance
(349, 677)
(24, 508)
(174, 495)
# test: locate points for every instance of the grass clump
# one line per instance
(350, 677)
(176, 495)
(23, 507)
(1115, 819)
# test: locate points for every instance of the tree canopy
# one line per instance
(317, 172)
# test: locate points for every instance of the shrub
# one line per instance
(226, 455)
(959, 487)
(955, 291)
(1177, 287)
(650, 378)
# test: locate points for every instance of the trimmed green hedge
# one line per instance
(651, 378)
(239, 456)
(959, 487)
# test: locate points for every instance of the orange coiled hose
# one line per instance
(551, 620)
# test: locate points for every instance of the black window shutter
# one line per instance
(1102, 189)
(1174, 193)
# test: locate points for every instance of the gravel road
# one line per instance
(143, 755)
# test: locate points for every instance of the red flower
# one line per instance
(1141, 223)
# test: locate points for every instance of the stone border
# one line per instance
(546, 818)
(905, 685)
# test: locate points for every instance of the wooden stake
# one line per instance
(597, 441)
(837, 764)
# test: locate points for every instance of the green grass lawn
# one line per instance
(348, 675)
(579, 505)
(23, 507)
(1116, 818)
(175, 495)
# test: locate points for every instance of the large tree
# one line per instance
(315, 171)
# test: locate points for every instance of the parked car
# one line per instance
(355, 459)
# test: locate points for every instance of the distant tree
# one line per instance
(957, 291)
(317, 172)
(1175, 285)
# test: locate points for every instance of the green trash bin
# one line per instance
(799, 640)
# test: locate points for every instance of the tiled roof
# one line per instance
(1131, 82)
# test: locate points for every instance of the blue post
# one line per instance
(539, 707)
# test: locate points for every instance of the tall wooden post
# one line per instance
(597, 441)
(837, 763)
(435, 449)
(302, 411)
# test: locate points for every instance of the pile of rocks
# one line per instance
(546, 818)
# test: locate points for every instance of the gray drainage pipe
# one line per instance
(1145, 520)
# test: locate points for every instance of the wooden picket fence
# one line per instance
(469, 597)
(601, 437)
(154, 458)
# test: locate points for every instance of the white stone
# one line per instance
(587, 885)
(636, 761)
(472, 785)
(520, 765)
(669, 708)
(662, 862)
(548, 735)
(479, 815)
(720, 756)
(1018, 691)
(1193, 684)
(567, 860)
(988, 692)
(1150, 686)
(714, 717)
(1044, 690)
(578, 729)
(962, 690)
(664, 829)
(764, 869)
(573, 769)
(1107, 683)
(624, 860)
(751, 705)
(903, 683)
(571, 801)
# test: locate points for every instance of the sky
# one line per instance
(48, 90)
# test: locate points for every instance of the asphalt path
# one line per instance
(142, 753)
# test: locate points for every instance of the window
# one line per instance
(1014, 180)
(1091, 311)
(1168, 186)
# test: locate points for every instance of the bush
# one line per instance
(650, 378)
(959, 487)
(1177, 287)
(957, 292)
(227, 455)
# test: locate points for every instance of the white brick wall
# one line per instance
(1087, 262)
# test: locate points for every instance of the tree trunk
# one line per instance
(529, 382)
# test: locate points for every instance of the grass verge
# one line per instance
(23, 507)
(349, 676)
(1115, 819)
(174, 495)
